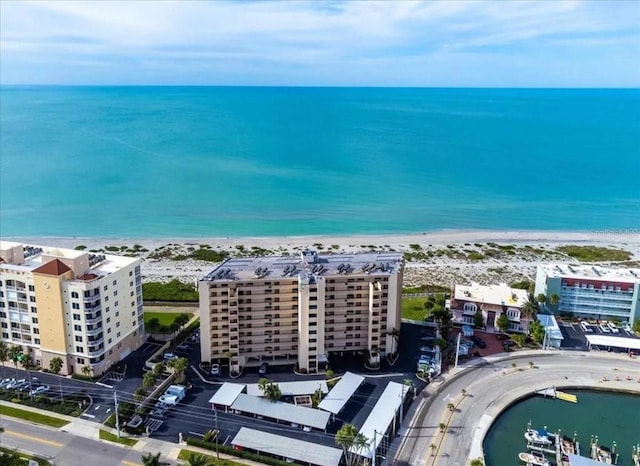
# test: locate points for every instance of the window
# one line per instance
(130, 273)
(32, 299)
(130, 283)
(4, 325)
(78, 338)
(117, 324)
(34, 320)
(35, 330)
(106, 287)
(118, 336)
(106, 299)
(108, 319)
(32, 288)
(80, 360)
(117, 313)
(116, 304)
(109, 342)
(75, 305)
(115, 282)
(77, 328)
(76, 317)
(79, 349)
(36, 341)
(115, 293)
(34, 309)
(74, 294)
(109, 330)
(5, 335)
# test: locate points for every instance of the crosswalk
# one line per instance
(112, 376)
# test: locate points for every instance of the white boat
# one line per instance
(534, 458)
(538, 437)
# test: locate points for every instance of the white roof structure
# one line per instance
(306, 387)
(551, 326)
(576, 460)
(381, 417)
(227, 394)
(297, 450)
(282, 411)
(341, 393)
(493, 294)
(617, 342)
(591, 272)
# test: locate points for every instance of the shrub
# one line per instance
(194, 442)
(174, 290)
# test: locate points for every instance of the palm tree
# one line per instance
(174, 327)
(554, 299)
(26, 361)
(86, 370)
(477, 462)
(182, 319)
(529, 309)
(148, 380)
(151, 460)
(4, 352)
(55, 365)
(153, 325)
(15, 355)
(395, 333)
(541, 298)
(196, 459)
(158, 369)
(178, 365)
(361, 443)
(451, 407)
(139, 394)
(412, 386)
(345, 438)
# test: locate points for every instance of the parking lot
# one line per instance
(574, 335)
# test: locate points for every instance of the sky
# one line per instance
(504, 43)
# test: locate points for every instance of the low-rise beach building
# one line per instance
(591, 292)
(299, 309)
(491, 301)
(82, 307)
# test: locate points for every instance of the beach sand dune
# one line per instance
(439, 258)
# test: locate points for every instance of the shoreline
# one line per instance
(440, 258)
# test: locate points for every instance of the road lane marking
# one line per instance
(35, 439)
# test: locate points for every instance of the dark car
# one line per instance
(507, 345)
(264, 367)
(502, 336)
(478, 341)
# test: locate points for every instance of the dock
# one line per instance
(553, 393)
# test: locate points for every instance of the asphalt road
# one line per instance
(65, 449)
(491, 388)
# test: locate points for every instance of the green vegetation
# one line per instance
(33, 417)
(80, 247)
(229, 450)
(186, 455)
(154, 321)
(523, 285)
(413, 308)
(636, 326)
(425, 289)
(502, 322)
(536, 330)
(9, 457)
(174, 291)
(104, 435)
(595, 253)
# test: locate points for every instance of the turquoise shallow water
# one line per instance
(613, 417)
(163, 161)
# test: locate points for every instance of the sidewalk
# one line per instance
(90, 429)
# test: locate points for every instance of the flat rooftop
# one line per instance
(34, 257)
(304, 387)
(492, 294)
(308, 262)
(591, 272)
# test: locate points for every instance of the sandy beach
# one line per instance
(440, 258)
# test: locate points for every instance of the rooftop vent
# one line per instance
(95, 259)
(31, 251)
(261, 272)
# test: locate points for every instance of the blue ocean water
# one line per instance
(224, 161)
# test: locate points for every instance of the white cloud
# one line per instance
(320, 37)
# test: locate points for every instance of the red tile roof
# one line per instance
(55, 267)
(88, 277)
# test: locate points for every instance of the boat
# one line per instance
(567, 446)
(539, 437)
(602, 454)
(534, 458)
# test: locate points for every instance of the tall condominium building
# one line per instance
(81, 307)
(592, 292)
(287, 309)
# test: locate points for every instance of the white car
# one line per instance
(39, 390)
(626, 327)
(613, 328)
(604, 328)
(215, 369)
(586, 327)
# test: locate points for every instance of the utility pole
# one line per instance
(217, 433)
(115, 399)
(457, 350)
(373, 460)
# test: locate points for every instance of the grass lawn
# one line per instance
(595, 253)
(185, 454)
(40, 461)
(33, 417)
(165, 318)
(104, 435)
(413, 308)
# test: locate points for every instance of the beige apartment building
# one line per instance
(288, 309)
(82, 307)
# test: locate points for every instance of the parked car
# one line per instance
(5, 382)
(264, 367)
(626, 327)
(507, 345)
(604, 328)
(502, 336)
(613, 327)
(39, 390)
(215, 369)
(184, 348)
(478, 341)
(586, 327)
(168, 356)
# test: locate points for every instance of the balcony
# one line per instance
(94, 331)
